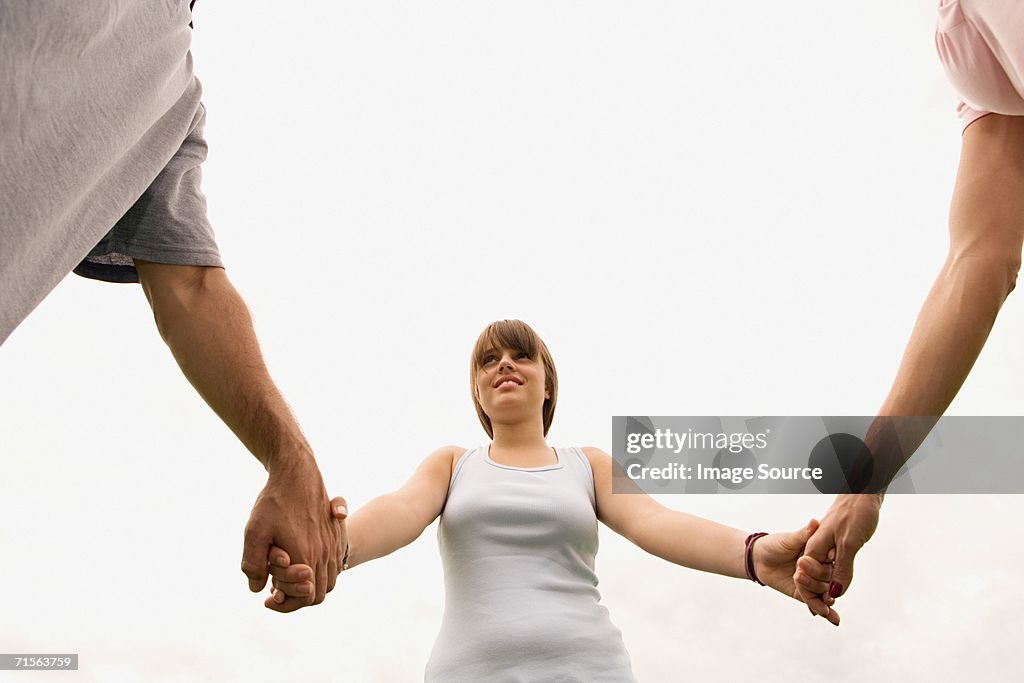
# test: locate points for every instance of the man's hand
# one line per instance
(293, 513)
(295, 581)
(849, 524)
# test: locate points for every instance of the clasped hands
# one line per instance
(293, 519)
(813, 564)
(294, 585)
(842, 532)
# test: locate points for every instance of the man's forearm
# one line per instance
(209, 330)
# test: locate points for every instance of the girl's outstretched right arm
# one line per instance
(396, 519)
(380, 527)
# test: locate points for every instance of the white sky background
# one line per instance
(705, 209)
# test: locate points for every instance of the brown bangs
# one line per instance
(506, 334)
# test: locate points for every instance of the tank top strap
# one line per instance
(473, 454)
(576, 462)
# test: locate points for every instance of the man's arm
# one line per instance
(986, 230)
(209, 331)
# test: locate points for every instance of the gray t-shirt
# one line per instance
(100, 145)
(521, 600)
(167, 224)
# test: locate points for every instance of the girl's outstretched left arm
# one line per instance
(699, 543)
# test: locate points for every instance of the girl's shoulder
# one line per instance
(595, 456)
(457, 454)
(449, 457)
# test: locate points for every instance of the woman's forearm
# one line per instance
(381, 527)
(395, 520)
(693, 542)
(986, 230)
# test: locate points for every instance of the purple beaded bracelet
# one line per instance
(748, 556)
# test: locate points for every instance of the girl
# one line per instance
(518, 534)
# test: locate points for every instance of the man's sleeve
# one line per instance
(167, 224)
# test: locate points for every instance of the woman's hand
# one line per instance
(849, 524)
(778, 563)
(296, 581)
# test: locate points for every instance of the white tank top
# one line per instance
(521, 601)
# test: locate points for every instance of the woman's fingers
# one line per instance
(818, 571)
(290, 581)
(812, 579)
(293, 574)
(812, 585)
(278, 557)
(813, 576)
(298, 589)
(819, 609)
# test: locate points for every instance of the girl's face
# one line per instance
(510, 386)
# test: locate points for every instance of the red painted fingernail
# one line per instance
(835, 589)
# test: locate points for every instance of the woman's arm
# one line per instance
(699, 543)
(675, 536)
(379, 528)
(395, 520)
(986, 232)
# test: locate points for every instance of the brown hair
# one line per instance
(518, 336)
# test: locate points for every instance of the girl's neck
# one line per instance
(519, 437)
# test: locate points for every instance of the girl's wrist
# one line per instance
(346, 554)
(753, 557)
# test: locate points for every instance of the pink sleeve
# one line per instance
(968, 115)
